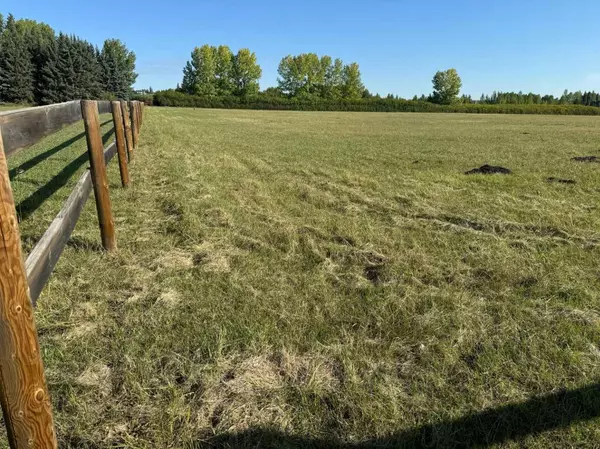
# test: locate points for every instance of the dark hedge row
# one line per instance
(178, 99)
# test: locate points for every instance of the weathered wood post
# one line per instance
(138, 118)
(23, 392)
(128, 134)
(121, 145)
(91, 121)
(134, 125)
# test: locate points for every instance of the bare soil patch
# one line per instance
(489, 170)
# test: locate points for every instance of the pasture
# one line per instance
(289, 279)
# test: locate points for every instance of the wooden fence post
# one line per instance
(127, 123)
(23, 392)
(89, 110)
(138, 118)
(134, 125)
(121, 145)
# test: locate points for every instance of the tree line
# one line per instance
(578, 98)
(217, 72)
(39, 66)
(265, 101)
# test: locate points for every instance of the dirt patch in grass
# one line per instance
(176, 259)
(251, 392)
(169, 299)
(215, 257)
(560, 180)
(97, 377)
(586, 159)
(489, 170)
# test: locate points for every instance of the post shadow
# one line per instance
(30, 204)
(494, 426)
(46, 154)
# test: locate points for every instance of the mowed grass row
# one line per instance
(295, 279)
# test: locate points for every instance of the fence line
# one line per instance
(24, 394)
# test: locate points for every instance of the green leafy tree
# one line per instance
(118, 68)
(224, 70)
(353, 86)
(291, 78)
(301, 75)
(246, 73)
(203, 69)
(333, 79)
(446, 86)
(273, 92)
(314, 73)
(307, 76)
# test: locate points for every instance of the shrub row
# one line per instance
(174, 98)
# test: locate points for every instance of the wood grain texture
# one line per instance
(44, 257)
(24, 127)
(91, 121)
(121, 145)
(134, 125)
(23, 391)
(137, 119)
(128, 134)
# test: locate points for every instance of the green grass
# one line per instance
(292, 279)
(8, 107)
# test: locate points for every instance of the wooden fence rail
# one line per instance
(23, 392)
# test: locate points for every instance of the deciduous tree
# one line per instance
(334, 78)
(353, 86)
(446, 86)
(246, 73)
(224, 70)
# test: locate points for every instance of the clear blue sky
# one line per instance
(544, 46)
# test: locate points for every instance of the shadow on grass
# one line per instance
(46, 154)
(30, 204)
(494, 426)
(83, 244)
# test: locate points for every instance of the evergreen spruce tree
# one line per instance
(189, 79)
(86, 70)
(118, 69)
(16, 69)
(48, 80)
(37, 37)
(65, 70)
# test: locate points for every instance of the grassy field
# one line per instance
(326, 279)
(8, 107)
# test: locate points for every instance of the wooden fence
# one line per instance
(23, 391)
